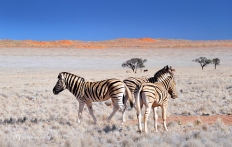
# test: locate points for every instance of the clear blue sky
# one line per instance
(95, 20)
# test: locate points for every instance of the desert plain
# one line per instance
(31, 115)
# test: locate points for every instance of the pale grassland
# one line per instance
(32, 116)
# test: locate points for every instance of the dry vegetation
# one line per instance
(32, 116)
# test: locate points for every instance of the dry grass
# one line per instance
(32, 116)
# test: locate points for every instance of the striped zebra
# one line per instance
(159, 76)
(88, 92)
(154, 95)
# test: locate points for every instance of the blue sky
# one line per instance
(96, 20)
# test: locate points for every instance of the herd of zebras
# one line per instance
(151, 92)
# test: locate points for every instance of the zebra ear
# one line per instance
(59, 76)
(172, 70)
(166, 67)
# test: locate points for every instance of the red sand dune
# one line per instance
(36, 42)
(142, 43)
(147, 40)
(66, 42)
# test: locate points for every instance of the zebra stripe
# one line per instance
(88, 92)
(159, 76)
(154, 95)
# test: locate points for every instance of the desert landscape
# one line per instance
(31, 115)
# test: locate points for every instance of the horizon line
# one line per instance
(118, 39)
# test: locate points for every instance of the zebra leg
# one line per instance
(89, 105)
(140, 103)
(139, 115)
(115, 109)
(123, 112)
(164, 111)
(155, 116)
(147, 112)
(118, 103)
(138, 112)
(81, 107)
(139, 120)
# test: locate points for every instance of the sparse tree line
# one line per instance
(136, 63)
(203, 61)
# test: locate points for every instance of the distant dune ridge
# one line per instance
(117, 43)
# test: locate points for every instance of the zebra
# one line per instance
(159, 76)
(154, 95)
(88, 92)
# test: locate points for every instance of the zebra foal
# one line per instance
(154, 95)
(88, 92)
(162, 74)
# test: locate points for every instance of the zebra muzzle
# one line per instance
(55, 92)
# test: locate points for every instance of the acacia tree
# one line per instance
(134, 63)
(203, 61)
(216, 61)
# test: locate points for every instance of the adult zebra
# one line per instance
(88, 92)
(159, 76)
(154, 95)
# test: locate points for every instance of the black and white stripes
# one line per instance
(153, 95)
(159, 76)
(88, 92)
(151, 92)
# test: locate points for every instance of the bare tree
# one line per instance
(134, 63)
(203, 61)
(216, 61)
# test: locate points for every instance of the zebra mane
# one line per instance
(162, 72)
(65, 74)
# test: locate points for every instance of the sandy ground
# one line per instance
(28, 75)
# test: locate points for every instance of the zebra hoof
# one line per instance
(139, 131)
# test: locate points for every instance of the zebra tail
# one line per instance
(129, 96)
(137, 97)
